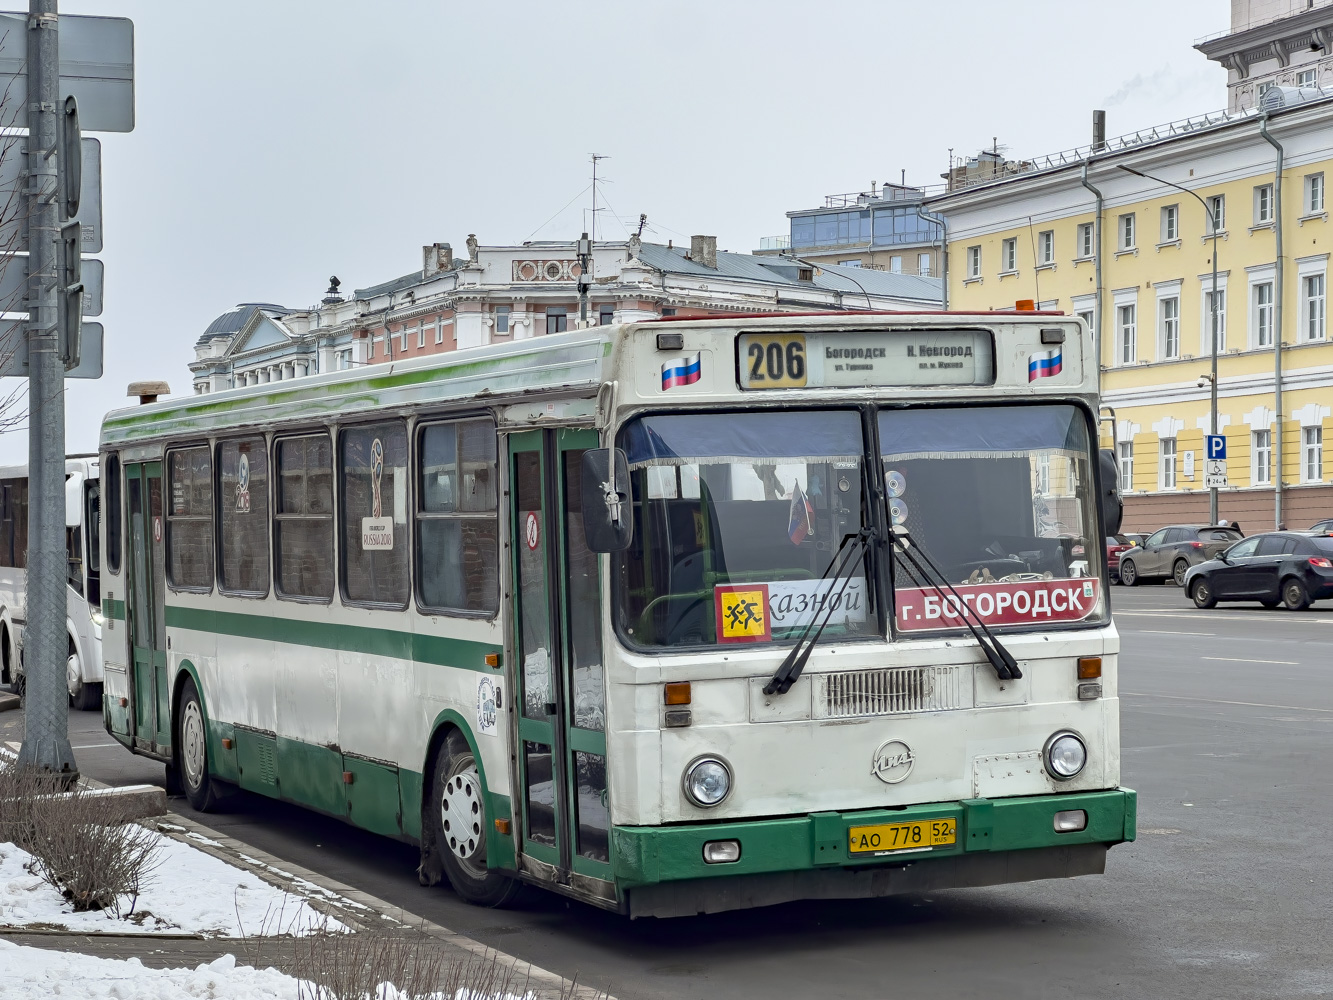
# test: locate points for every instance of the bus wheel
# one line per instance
(455, 833)
(191, 753)
(84, 697)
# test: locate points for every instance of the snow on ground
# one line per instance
(187, 892)
(36, 972)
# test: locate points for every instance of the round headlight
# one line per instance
(1065, 755)
(707, 781)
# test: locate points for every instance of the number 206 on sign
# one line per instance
(772, 361)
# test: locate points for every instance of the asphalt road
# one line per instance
(1227, 722)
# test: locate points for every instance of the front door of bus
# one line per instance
(561, 800)
(150, 721)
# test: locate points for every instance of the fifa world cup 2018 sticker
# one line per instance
(895, 484)
(742, 612)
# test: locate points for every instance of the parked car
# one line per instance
(1294, 568)
(1168, 553)
(1325, 525)
(1116, 544)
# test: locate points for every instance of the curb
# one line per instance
(9, 702)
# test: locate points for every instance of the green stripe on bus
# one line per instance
(440, 650)
(113, 609)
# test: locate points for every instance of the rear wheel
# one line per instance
(191, 751)
(82, 695)
(1178, 572)
(1294, 595)
(455, 829)
(1202, 595)
(1129, 575)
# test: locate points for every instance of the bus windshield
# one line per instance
(736, 518)
(1001, 500)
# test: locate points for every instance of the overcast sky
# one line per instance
(283, 141)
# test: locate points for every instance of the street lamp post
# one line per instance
(1212, 378)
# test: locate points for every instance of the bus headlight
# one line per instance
(1065, 755)
(707, 781)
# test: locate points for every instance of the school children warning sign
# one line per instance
(1029, 602)
(742, 612)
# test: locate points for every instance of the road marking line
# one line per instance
(1226, 616)
(1219, 701)
(93, 746)
(1237, 659)
(1161, 631)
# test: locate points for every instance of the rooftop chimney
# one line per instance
(703, 250)
(435, 258)
(331, 297)
(1098, 131)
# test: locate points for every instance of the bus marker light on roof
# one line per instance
(1089, 668)
(722, 852)
(670, 342)
(677, 693)
(1071, 820)
(1025, 306)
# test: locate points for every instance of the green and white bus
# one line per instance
(671, 617)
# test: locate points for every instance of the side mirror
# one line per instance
(608, 524)
(74, 500)
(1113, 508)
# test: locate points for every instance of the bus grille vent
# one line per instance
(893, 691)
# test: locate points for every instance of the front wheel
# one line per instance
(1178, 572)
(1202, 594)
(1128, 574)
(455, 829)
(191, 755)
(1294, 595)
(83, 696)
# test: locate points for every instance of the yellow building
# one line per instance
(1103, 234)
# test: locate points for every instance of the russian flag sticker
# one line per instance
(1044, 364)
(682, 371)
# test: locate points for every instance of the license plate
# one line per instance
(772, 361)
(889, 838)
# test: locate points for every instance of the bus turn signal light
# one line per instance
(226, 743)
(678, 693)
(502, 827)
(492, 659)
(1089, 668)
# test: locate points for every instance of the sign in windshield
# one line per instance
(865, 358)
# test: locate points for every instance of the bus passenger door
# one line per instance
(150, 720)
(561, 695)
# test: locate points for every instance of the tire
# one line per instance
(83, 697)
(1178, 572)
(1129, 573)
(1202, 594)
(455, 827)
(190, 751)
(1294, 594)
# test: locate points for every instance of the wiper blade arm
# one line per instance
(1006, 667)
(785, 676)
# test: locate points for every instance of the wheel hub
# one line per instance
(192, 744)
(72, 673)
(462, 815)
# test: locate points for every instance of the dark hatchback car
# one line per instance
(1325, 525)
(1294, 568)
(1168, 553)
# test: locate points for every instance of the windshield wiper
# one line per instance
(1006, 667)
(785, 676)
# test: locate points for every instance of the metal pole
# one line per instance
(46, 720)
(1212, 382)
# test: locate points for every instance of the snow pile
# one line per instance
(36, 972)
(186, 892)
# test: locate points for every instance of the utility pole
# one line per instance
(46, 721)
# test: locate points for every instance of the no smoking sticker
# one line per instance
(532, 533)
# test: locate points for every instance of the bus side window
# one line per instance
(457, 526)
(190, 519)
(373, 467)
(14, 523)
(113, 513)
(243, 516)
(303, 518)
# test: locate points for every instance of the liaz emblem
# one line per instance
(892, 762)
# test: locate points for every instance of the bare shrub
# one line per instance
(80, 840)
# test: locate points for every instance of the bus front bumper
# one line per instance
(663, 871)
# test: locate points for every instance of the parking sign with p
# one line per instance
(1215, 446)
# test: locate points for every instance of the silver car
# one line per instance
(1168, 553)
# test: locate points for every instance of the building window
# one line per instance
(421, 335)
(1313, 304)
(923, 264)
(854, 262)
(607, 314)
(1261, 454)
(1208, 320)
(1009, 255)
(373, 469)
(1167, 472)
(1306, 77)
(557, 321)
(1314, 193)
(1263, 204)
(344, 359)
(896, 264)
(1170, 318)
(502, 319)
(190, 519)
(1046, 247)
(1170, 223)
(1085, 240)
(1217, 213)
(243, 516)
(668, 310)
(1043, 474)
(974, 262)
(1126, 466)
(303, 518)
(1312, 453)
(457, 525)
(1126, 230)
(1128, 331)
(1263, 314)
